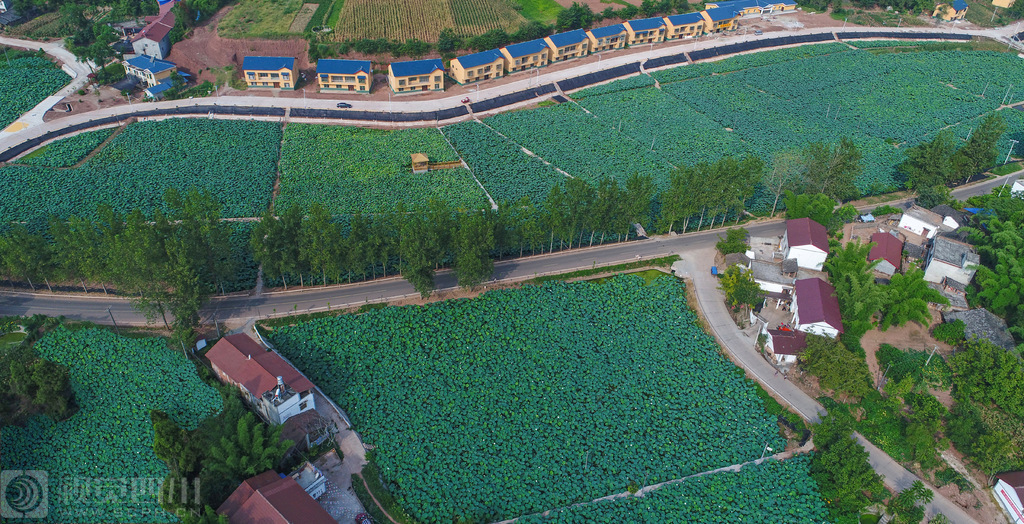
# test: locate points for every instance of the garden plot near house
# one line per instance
(524, 400)
(24, 82)
(349, 170)
(117, 381)
(234, 159)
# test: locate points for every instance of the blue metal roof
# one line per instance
(159, 88)
(342, 67)
(479, 59)
(959, 5)
(417, 67)
(720, 13)
(646, 24)
(268, 63)
(568, 38)
(740, 5)
(150, 64)
(526, 48)
(609, 30)
(685, 19)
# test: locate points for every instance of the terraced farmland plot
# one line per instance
(747, 61)
(234, 159)
(424, 19)
(504, 169)
(524, 400)
(117, 381)
(772, 491)
(351, 169)
(24, 82)
(66, 152)
(585, 147)
(677, 130)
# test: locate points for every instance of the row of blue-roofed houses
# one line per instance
(356, 76)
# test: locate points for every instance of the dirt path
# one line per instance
(375, 501)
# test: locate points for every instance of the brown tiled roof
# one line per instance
(804, 231)
(788, 342)
(277, 500)
(247, 363)
(816, 301)
(157, 29)
(887, 247)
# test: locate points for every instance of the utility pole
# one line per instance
(114, 321)
(1012, 143)
(983, 91)
(934, 349)
(1006, 95)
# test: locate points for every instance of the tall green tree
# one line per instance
(931, 163)
(832, 170)
(816, 206)
(984, 372)
(740, 289)
(840, 468)
(26, 255)
(417, 266)
(576, 16)
(45, 384)
(905, 504)
(473, 245)
(637, 202)
(275, 243)
(907, 299)
(860, 298)
(836, 367)
(981, 151)
(252, 449)
(320, 242)
(76, 249)
(358, 246)
(785, 174)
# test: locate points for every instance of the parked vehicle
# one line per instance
(344, 105)
(465, 100)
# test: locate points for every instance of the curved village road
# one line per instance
(78, 71)
(409, 103)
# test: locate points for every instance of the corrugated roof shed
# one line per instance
(984, 325)
(343, 67)
(788, 342)
(268, 63)
(417, 67)
(886, 247)
(148, 63)
(568, 38)
(247, 363)
(816, 301)
(769, 272)
(954, 252)
(806, 232)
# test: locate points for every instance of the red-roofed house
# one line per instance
(154, 40)
(272, 385)
(807, 242)
(1009, 490)
(816, 308)
(269, 498)
(785, 345)
(889, 250)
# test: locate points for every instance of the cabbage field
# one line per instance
(234, 159)
(349, 169)
(117, 381)
(529, 399)
(66, 152)
(24, 82)
(773, 491)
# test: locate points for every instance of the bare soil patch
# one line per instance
(303, 17)
(205, 49)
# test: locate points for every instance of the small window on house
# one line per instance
(302, 406)
(401, 83)
(436, 79)
(284, 75)
(487, 69)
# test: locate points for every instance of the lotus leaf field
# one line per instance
(117, 381)
(67, 152)
(350, 169)
(24, 82)
(524, 400)
(773, 491)
(234, 159)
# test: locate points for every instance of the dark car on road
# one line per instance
(344, 105)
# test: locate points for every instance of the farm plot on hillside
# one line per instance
(524, 400)
(350, 169)
(109, 441)
(234, 159)
(424, 19)
(24, 82)
(772, 491)
(261, 19)
(504, 169)
(583, 146)
(66, 152)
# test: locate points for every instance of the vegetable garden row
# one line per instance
(424, 19)
(524, 400)
(117, 381)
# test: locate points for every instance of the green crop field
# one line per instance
(94, 455)
(260, 19)
(66, 152)
(24, 82)
(424, 19)
(234, 159)
(506, 172)
(350, 169)
(772, 491)
(524, 400)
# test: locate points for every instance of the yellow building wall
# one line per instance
(512, 65)
(409, 84)
(463, 76)
(647, 38)
(570, 51)
(948, 14)
(1003, 3)
(682, 31)
(345, 83)
(270, 79)
(601, 44)
(722, 25)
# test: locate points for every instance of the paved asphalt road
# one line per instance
(93, 307)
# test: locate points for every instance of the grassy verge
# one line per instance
(773, 407)
(981, 44)
(655, 262)
(367, 501)
(274, 323)
(332, 18)
(372, 475)
(1006, 169)
(543, 11)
